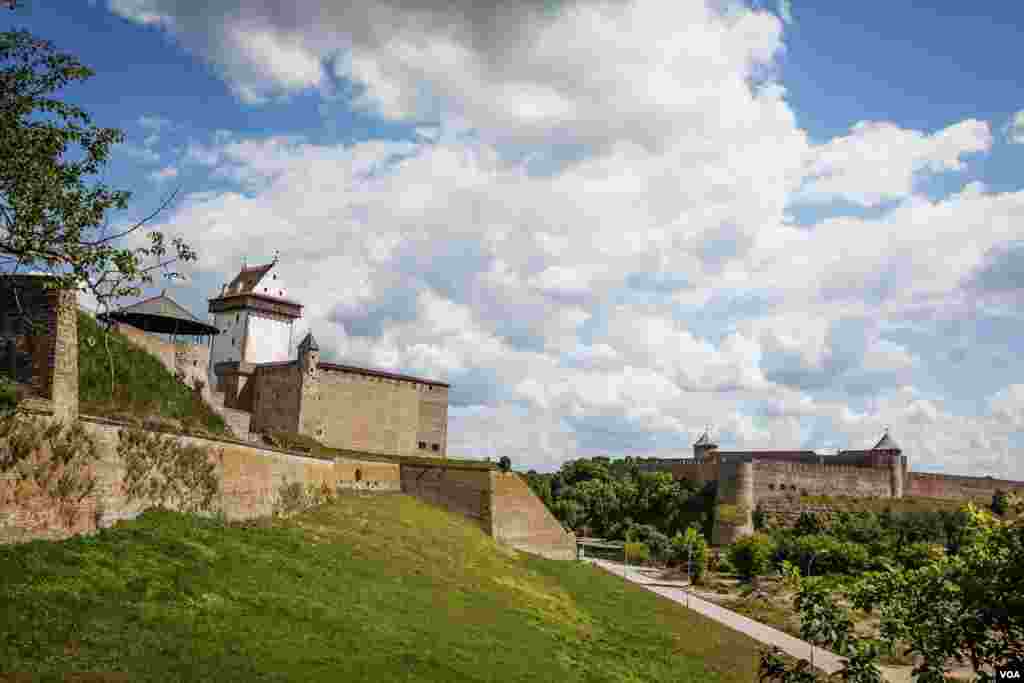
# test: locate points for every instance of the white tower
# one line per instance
(255, 319)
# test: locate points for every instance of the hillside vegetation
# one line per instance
(143, 387)
(367, 588)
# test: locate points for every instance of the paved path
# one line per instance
(825, 660)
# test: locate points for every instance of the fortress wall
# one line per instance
(432, 425)
(520, 519)
(958, 487)
(699, 472)
(464, 491)
(777, 479)
(252, 478)
(358, 412)
(275, 399)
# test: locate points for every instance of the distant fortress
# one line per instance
(746, 478)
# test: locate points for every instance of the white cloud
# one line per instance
(154, 124)
(1015, 128)
(878, 161)
(567, 154)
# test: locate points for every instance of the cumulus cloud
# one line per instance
(878, 161)
(587, 236)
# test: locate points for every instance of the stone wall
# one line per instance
(251, 477)
(463, 490)
(432, 429)
(359, 412)
(276, 398)
(40, 329)
(520, 519)
(777, 479)
(958, 487)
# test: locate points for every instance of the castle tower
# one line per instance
(892, 455)
(309, 356)
(255, 318)
(704, 446)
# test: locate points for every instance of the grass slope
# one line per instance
(142, 385)
(368, 588)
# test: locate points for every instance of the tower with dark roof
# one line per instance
(309, 356)
(704, 446)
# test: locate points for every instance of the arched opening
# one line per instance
(359, 475)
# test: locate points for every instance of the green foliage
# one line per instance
(637, 553)
(143, 385)
(823, 554)
(162, 471)
(731, 514)
(759, 517)
(52, 216)
(8, 395)
(57, 458)
(920, 554)
(505, 463)
(291, 441)
(690, 550)
(1000, 503)
(752, 555)
(809, 523)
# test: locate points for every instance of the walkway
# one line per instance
(825, 660)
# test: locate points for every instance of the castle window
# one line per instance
(232, 341)
(435, 447)
(771, 487)
(236, 317)
(359, 475)
(423, 444)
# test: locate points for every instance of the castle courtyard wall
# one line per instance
(360, 412)
(959, 487)
(777, 479)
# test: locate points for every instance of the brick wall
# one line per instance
(957, 487)
(40, 327)
(520, 519)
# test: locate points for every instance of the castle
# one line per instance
(747, 479)
(342, 406)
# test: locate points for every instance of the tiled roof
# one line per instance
(380, 373)
(247, 279)
(161, 314)
(704, 440)
(309, 342)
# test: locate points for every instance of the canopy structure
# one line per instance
(162, 315)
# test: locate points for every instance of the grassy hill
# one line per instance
(143, 387)
(381, 588)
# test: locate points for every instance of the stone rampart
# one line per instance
(251, 477)
(777, 479)
(958, 487)
(520, 519)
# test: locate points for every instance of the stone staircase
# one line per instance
(237, 420)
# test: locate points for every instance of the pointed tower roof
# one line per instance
(308, 342)
(886, 443)
(705, 440)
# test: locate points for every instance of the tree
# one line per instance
(1000, 502)
(52, 216)
(967, 607)
(505, 463)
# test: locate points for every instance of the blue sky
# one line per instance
(606, 225)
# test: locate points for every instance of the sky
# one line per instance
(605, 224)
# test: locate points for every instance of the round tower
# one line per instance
(890, 452)
(309, 356)
(704, 446)
(734, 502)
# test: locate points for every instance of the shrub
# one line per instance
(759, 517)
(505, 463)
(691, 550)
(1000, 502)
(659, 545)
(917, 555)
(752, 555)
(638, 553)
(162, 470)
(829, 555)
(809, 523)
(731, 514)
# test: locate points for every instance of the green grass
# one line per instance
(143, 387)
(381, 588)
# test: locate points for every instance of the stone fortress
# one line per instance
(342, 406)
(777, 478)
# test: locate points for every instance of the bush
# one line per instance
(759, 517)
(809, 523)
(659, 545)
(829, 554)
(637, 553)
(752, 555)
(1000, 502)
(917, 555)
(691, 550)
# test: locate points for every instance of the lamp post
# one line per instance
(810, 563)
(689, 566)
